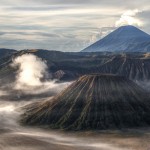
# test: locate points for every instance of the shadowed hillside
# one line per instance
(93, 102)
(132, 68)
(69, 66)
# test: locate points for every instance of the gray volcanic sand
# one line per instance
(42, 139)
(15, 137)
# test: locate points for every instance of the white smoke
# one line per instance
(129, 18)
(32, 70)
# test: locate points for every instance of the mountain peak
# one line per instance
(128, 27)
(130, 30)
(126, 38)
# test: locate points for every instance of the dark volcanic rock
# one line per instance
(69, 66)
(132, 68)
(93, 102)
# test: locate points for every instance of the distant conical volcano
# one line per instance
(93, 102)
(125, 38)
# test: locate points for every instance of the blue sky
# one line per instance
(66, 25)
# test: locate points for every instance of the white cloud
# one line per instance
(75, 23)
(129, 18)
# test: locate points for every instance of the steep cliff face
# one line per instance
(94, 101)
(132, 68)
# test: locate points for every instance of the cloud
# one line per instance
(44, 34)
(129, 18)
(103, 3)
(8, 115)
(100, 33)
(37, 8)
(72, 24)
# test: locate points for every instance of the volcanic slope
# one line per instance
(93, 102)
(125, 38)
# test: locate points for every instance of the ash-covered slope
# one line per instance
(93, 102)
(125, 38)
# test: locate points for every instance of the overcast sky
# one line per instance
(66, 25)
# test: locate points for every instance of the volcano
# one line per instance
(126, 38)
(97, 102)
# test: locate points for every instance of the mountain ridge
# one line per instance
(125, 38)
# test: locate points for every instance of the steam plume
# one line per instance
(32, 70)
(129, 18)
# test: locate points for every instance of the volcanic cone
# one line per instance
(94, 101)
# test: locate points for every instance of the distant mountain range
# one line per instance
(69, 66)
(65, 66)
(125, 38)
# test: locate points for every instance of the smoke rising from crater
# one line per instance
(129, 18)
(32, 71)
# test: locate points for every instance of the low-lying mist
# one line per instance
(33, 83)
(17, 137)
(9, 114)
